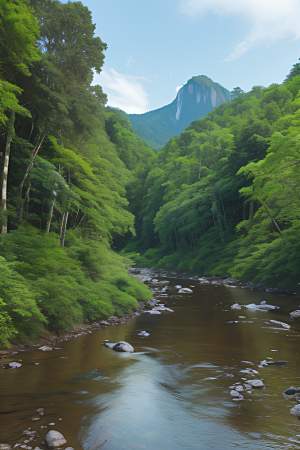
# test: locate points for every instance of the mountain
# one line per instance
(194, 100)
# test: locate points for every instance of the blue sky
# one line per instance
(155, 46)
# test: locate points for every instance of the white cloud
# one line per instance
(271, 20)
(130, 60)
(123, 91)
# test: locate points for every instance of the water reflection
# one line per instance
(174, 391)
(176, 395)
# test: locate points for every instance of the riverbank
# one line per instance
(159, 285)
(52, 340)
(146, 276)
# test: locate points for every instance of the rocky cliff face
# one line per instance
(194, 100)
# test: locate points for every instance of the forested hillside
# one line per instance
(224, 196)
(66, 164)
(194, 100)
(78, 185)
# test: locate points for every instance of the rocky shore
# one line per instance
(154, 279)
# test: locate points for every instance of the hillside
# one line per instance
(223, 197)
(194, 100)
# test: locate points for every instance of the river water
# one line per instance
(173, 392)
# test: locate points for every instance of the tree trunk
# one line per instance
(21, 201)
(10, 133)
(274, 221)
(50, 218)
(63, 228)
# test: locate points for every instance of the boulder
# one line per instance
(185, 291)
(295, 314)
(296, 411)
(234, 393)
(14, 365)
(120, 346)
(292, 393)
(256, 383)
(45, 348)
(143, 333)
(55, 439)
(236, 306)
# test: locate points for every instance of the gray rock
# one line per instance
(120, 346)
(296, 411)
(236, 306)
(234, 393)
(5, 447)
(261, 307)
(256, 383)
(45, 348)
(295, 314)
(185, 291)
(69, 448)
(55, 439)
(14, 365)
(143, 333)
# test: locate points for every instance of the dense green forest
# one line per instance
(224, 196)
(81, 192)
(66, 163)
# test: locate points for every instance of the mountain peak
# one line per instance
(194, 100)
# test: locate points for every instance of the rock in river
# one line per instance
(256, 383)
(55, 439)
(236, 306)
(185, 291)
(45, 348)
(14, 365)
(143, 333)
(296, 411)
(295, 314)
(120, 346)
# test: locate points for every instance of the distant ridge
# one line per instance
(194, 100)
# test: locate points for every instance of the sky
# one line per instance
(154, 47)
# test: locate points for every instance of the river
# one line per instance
(173, 392)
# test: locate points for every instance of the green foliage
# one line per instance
(224, 197)
(68, 176)
(7, 331)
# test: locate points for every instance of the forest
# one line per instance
(83, 196)
(224, 198)
(66, 164)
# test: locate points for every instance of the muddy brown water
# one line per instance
(173, 392)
